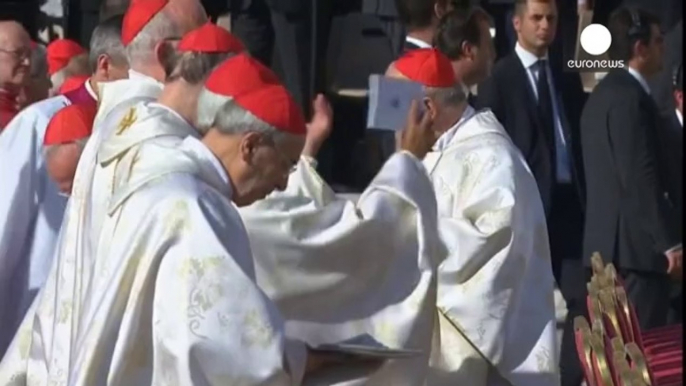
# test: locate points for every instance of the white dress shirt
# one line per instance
(680, 117)
(417, 42)
(529, 61)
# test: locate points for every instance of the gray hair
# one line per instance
(142, 47)
(193, 67)
(221, 113)
(106, 40)
(39, 62)
(451, 96)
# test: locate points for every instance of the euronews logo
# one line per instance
(595, 40)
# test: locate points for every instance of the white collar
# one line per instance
(527, 58)
(445, 138)
(417, 42)
(637, 75)
(135, 75)
(196, 147)
(90, 90)
(680, 117)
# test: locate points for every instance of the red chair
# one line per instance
(582, 338)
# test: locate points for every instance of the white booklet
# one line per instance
(390, 100)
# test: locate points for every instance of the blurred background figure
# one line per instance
(15, 68)
(629, 218)
(464, 37)
(37, 87)
(66, 58)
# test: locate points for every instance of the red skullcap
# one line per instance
(72, 83)
(137, 16)
(239, 75)
(274, 105)
(210, 39)
(427, 66)
(60, 52)
(70, 124)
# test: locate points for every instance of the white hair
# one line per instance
(447, 95)
(141, 50)
(106, 40)
(221, 113)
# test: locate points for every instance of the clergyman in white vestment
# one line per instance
(178, 282)
(146, 24)
(338, 270)
(31, 206)
(495, 289)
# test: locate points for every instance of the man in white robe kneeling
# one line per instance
(495, 289)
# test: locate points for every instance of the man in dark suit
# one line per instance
(629, 217)
(539, 105)
(464, 36)
(420, 18)
(672, 145)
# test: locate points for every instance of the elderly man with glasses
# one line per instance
(15, 66)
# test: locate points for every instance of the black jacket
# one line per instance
(509, 94)
(629, 219)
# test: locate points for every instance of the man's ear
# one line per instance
(516, 23)
(430, 107)
(164, 50)
(248, 146)
(468, 50)
(440, 9)
(102, 66)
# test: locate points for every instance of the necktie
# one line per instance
(545, 103)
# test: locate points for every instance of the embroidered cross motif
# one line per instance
(128, 121)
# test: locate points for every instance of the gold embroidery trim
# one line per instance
(128, 121)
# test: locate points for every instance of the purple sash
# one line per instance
(80, 96)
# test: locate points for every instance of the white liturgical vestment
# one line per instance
(173, 300)
(93, 184)
(339, 271)
(31, 212)
(495, 289)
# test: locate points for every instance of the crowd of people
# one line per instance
(163, 220)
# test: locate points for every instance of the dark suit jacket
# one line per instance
(509, 94)
(629, 219)
(671, 135)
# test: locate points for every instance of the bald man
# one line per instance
(15, 67)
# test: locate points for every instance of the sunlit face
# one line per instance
(15, 56)
(61, 163)
(536, 24)
(267, 165)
